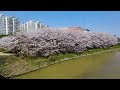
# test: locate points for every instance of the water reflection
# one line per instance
(111, 70)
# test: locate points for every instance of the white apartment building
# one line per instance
(23, 27)
(32, 25)
(2, 24)
(9, 25)
(16, 24)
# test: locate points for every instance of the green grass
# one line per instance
(15, 65)
(2, 50)
(90, 51)
(5, 50)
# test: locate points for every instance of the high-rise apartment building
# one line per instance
(2, 24)
(8, 24)
(16, 24)
(32, 25)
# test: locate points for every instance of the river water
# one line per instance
(100, 66)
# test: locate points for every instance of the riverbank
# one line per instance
(13, 65)
(91, 66)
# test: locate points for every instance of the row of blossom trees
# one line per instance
(45, 42)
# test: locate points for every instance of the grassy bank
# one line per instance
(14, 65)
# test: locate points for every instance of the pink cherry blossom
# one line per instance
(48, 41)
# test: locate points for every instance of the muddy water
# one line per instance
(100, 66)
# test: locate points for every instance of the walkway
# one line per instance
(1, 53)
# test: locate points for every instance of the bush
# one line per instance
(3, 36)
(45, 42)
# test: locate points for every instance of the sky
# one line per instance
(96, 21)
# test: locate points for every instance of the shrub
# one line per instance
(3, 36)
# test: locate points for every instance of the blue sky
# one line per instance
(99, 21)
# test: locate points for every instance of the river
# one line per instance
(100, 66)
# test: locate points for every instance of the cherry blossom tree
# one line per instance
(49, 41)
